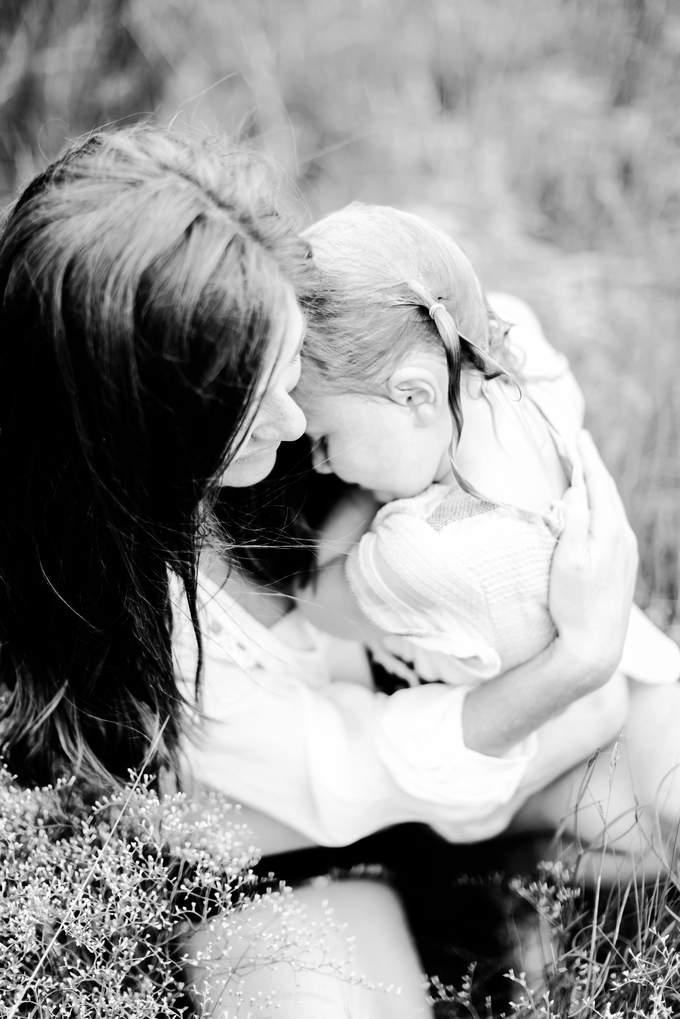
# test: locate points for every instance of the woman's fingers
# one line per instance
(574, 541)
(594, 566)
(608, 517)
(577, 513)
(605, 503)
(572, 554)
(609, 526)
(577, 479)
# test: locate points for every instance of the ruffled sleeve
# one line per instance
(421, 741)
(547, 378)
(412, 581)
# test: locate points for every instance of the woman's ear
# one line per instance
(420, 390)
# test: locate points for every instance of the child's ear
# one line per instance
(418, 389)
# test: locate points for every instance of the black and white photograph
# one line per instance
(339, 509)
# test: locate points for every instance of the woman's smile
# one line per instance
(257, 454)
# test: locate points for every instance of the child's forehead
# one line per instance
(327, 405)
(354, 383)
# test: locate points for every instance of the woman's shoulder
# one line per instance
(233, 639)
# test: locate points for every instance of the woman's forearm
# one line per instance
(501, 712)
(591, 591)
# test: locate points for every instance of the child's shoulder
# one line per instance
(418, 507)
(422, 518)
(537, 357)
(545, 371)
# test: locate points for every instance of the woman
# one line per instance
(150, 334)
(148, 312)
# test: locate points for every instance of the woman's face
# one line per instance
(277, 417)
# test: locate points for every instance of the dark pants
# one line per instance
(455, 897)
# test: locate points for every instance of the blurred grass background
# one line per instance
(544, 134)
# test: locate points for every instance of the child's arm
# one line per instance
(327, 600)
(329, 604)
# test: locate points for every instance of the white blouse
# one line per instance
(333, 760)
(336, 760)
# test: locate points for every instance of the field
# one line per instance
(544, 134)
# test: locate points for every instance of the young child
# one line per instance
(465, 429)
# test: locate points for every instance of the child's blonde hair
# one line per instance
(388, 282)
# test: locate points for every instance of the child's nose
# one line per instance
(320, 461)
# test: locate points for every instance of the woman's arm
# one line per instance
(591, 592)
(337, 761)
(592, 581)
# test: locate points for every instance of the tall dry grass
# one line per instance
(544, 133)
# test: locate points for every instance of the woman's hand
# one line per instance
(349, 519)
(591, 591)
(593, 571)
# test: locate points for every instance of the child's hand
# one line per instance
(593, 571)
(348, 520)
(326, 600)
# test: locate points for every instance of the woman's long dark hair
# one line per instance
(273, 526)
(140, 277)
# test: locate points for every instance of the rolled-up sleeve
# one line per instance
(338, 761)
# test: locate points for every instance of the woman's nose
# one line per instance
(280, 419)
(295, 422)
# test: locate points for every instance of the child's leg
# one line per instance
(625, 808)
(649, 656)
(316, 983)
(575, 735)
(652, 747)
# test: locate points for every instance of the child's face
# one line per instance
(375, 442)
